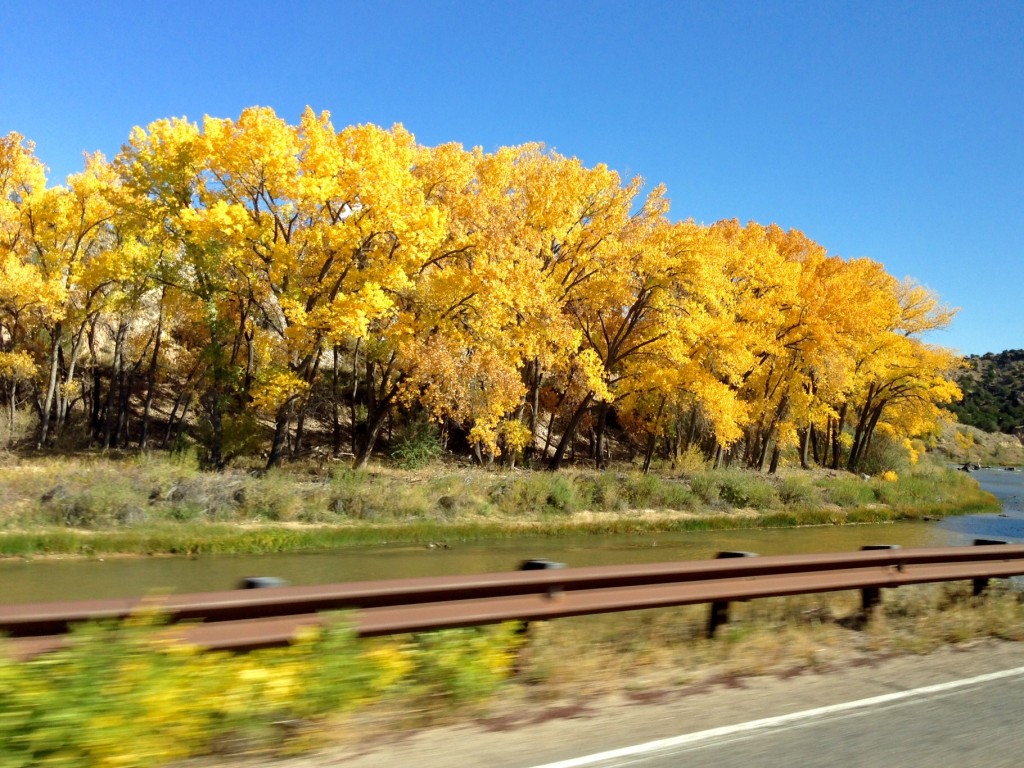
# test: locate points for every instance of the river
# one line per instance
(36, 580)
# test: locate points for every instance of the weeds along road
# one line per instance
(948, 723)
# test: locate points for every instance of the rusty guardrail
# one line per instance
(247, 619)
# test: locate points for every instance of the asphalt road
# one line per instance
(972, 722)
(913, 711)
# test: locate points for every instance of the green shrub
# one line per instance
(536, 492)
(561, 498)
(707, 486)
(603, 491)
(742, 489)
(849, 492)
(798, 491)
(885, 453)
(277, 497)
(95, 497)
(419, 445)
(652, 491)
(463, 665)
(907, 490)
(241, 435)
(691, 462)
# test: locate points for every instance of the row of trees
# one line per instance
(250, 271)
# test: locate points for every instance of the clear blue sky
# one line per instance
(893, 130)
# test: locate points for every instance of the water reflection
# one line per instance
(1008, 487)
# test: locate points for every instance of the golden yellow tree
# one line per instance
(22, 287)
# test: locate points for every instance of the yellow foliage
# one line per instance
(461, 280)
(17, 366)
(276, 388)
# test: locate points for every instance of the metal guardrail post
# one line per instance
(553, 590)
(719, 613)
(981, 584)
(261, 582)
(871, 597)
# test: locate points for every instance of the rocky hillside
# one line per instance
(993, 386)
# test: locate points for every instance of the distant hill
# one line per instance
(993, 386)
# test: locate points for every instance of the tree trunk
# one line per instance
(151, 377)
(538, 379)
(369, 439)
(600, 437)
(171, 417)
(355, 395)
(860, 430)
(284, 416)
(691, 433)
(114, 387)
(10, 420)
(51, 386)
(380, 400)
(335, 407)
(837, 431)
(175, 427)
(69, 376)
(555, 463)
(216, 432)
(653, 439)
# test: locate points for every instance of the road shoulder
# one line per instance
(560, 730)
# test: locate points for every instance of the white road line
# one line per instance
(769, 722)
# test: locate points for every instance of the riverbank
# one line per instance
(159, 505)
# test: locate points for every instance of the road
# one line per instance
(971, 722)
(907, 711)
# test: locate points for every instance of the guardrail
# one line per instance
(249, 619)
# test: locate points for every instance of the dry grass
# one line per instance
(163, 504)
(669, 648)
(645, 655)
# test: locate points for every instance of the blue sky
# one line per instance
(892, 130)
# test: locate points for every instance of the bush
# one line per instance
(657, 493)
(691, 462)
(279, 498)
(798, 491)
(561, 497)
(241, 435)
(742, 489)
(367, 496)
(463, 665)
(536, 492)
(122, 695)
(96, 496)
(419, 445)
(849, 492)
(603, 491)
(885, 453)
(707, 486)
(908, 490)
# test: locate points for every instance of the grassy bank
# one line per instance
(150, 505)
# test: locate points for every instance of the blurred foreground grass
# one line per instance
(127, 695)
